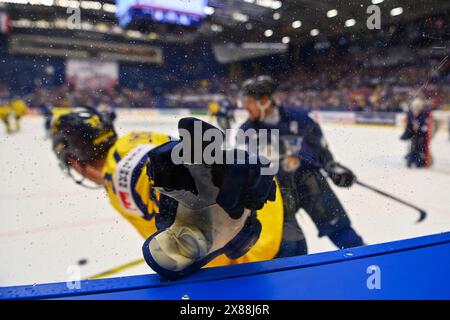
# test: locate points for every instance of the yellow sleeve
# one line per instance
(147, 201)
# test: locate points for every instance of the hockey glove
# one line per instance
(215, 214)
(341, 176)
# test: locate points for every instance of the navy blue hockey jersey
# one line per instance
(297, 125)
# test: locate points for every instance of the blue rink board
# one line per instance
(416, 268)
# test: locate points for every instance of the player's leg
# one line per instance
(410, 155)
(325, 209)
(293, 240)
(17, 118)
(422, 150)
(223, 122)
(5, 120)
(47, 124)
(419, 149)
(227, 123)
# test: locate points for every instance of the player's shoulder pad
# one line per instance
(293, 114)
(249, 124)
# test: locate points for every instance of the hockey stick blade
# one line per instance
(422, 213)
(422, 217)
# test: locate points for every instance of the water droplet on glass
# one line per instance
(348, 254)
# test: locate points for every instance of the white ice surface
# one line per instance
(48, 223)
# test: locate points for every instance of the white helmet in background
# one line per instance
(417, 105)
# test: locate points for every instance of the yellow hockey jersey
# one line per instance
(130, 192)
(126, 182)
(213, 108)
(19, 107)
(5, 111)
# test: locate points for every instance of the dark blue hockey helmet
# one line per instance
(259, 87)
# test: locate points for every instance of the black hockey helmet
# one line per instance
(84, 134)
(258, 87)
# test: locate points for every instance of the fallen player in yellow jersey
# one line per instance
(19, 109)
(5, 113)
(86, 142)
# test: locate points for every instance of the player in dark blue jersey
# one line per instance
(419, 131)
(46, 111)
(106, 109)
(225, 115)
(303, 153)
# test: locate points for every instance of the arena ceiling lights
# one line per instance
(396, 11)
(287, 18)
(350, 23)
(240, 17)
(209, 11)
(336, 17)
(332, 13)
(273, 4)
(286, 40)
(268, 33)
(88, 5)
(296, 24)
(32, 2)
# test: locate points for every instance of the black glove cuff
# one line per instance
(165, 173)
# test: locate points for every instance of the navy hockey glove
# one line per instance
(341, 176)
(241, 185)
(216, 209)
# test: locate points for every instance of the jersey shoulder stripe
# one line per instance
(125, 177)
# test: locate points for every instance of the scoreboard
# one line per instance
(179, 12)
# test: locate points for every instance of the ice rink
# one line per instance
(49, 224)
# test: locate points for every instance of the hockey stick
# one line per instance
(116, 269)
(422, 212)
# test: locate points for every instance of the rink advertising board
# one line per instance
(370, 272)
(138, 113)
(333, 116)
(382, 118)
(93, 74)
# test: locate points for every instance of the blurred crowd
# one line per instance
(382, 71)
(68, 96)
(347, 86)
(367, 89)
